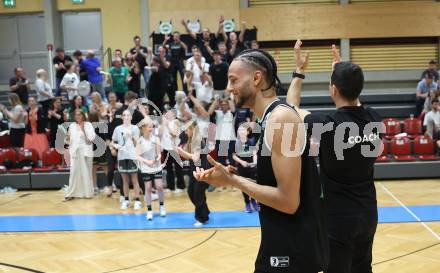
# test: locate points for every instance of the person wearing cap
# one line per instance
(59, 62)
(92, 66)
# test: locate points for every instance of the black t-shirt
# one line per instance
(21, 88)
(140, 59)
(433, 72)
(241, 116)
(57, 60)
(238, 49)
(212, 44)
(219, 73)
(177, 52)
(347, 175)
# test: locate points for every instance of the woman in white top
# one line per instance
(17, 117)
(124, 140)
(149, 158)
(43, 89)
(80, 136)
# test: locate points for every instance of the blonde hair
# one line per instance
(98, 96)
(194, 141)
(15, 99)
(143, 123)
(40, 73)
(81, 112)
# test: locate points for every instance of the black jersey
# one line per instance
(348, 176)
(292, 242)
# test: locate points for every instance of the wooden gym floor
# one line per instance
(399, 247)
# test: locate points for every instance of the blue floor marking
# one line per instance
(178, 220)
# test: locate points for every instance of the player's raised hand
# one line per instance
(336, 56)
(302, 60)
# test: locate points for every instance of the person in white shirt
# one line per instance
(43, 89)
(225, 134)
(432, 120)
(204, 89)
(149, 157)
(124, 140)
(80, 136)
(70, 81)
(195, 68)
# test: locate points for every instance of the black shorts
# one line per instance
(127, 166)
(150, 177)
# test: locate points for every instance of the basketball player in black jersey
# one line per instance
(293, 232)
(348, 149)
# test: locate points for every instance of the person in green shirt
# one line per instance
(119, 78)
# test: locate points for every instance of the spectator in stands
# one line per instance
(118, 54)
(59, 62)
(76, 104)
(178, 51)
(78, 60)
(17, 117)
(36, 122)
(143, 57)
(98, 116)
(119, 79)
(20, 85)
(159, 81)
(55, 118)
(195, 68)
(424, 88)
(432, 121)
(80, 136)
(134, 79)
(204, 89)
(219, 73)
(92, 66)
(70, 81)
(255, 44)
(225, 134)
(223, 50)
(207, 41)
(236, 44)
(202, 112)
(432, 68)
(428, 102)
(44, 90)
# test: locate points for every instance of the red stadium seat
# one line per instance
(8, 154)
(424, 148)
(392, 127)
(28, 154)
(384, 155)
(401, 149)
(51, 159)
(5, 141)
(413, 127)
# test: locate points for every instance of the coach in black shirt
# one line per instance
(350, 141)
(219, 72)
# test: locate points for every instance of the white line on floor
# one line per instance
(409, 211)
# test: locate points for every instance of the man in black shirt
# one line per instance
(293, 235)
(59, 62)
(432, 68)
(219, 73)
(20, 85)
(143, 57)
(236, 44)
(178, 51)
(207, 41)
(350, 141)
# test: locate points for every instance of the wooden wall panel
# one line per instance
(378, 20)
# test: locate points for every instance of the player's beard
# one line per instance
(244, 98)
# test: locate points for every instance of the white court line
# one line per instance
(409, 211)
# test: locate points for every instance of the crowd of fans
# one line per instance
(137, 142)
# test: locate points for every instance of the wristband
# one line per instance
(298, 75)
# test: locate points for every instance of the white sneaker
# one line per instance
(149, 215)
(95, 191)
(125, 204)
(198, 224)
(167, 190)
(154, 196)
(121, 199)
(107, 191)
(177, 191)
(162, 211)
(137, 205)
